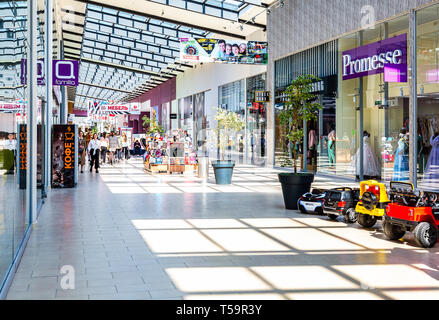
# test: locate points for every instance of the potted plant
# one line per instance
(151, 125)
(300, 106)
(228, 123)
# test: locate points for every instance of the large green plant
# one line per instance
(151, 125)
(228, 123)
(300, 106)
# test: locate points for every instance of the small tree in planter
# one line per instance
(299, 107)
(228, 123)
(152, 126)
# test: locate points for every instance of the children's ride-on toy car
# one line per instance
(341, 202)
(372, 204)
(312, 202)
(410, 212)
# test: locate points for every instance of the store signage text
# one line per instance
(64, 73)
(22, 155)
(387, 56)
(262, 96)
(69, 145)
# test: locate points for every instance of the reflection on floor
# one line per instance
(130, 235)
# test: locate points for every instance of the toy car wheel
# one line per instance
(366, 221)
(369, 200)
(392, 232)
(426, 235)
(319, 211)
(301, 208)
(351, 216)
(332, 216)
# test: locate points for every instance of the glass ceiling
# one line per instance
(13, 34)
(123, 54)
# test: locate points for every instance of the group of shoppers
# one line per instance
(102, 148)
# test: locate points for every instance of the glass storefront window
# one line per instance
(13, 220)
(428, 98)
(232, 98)
(256, 122)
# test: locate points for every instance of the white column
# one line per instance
(32, 111)
(49, 89)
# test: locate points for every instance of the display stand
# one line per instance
(178, 157)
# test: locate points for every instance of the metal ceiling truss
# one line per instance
(128, 52)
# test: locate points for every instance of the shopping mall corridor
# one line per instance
(130, 235)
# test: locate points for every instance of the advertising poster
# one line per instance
(63, 156)
(22, 156)
(226, 51)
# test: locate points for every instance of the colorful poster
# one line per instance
(63, 156)
(225, 51)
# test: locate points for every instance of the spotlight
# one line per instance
(163, 13)
(241, 27)
(253, 20)
(268, 11)
(281, 3)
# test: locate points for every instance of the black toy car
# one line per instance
(312, 202)
(342, 202)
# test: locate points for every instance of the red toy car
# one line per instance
(410, 212)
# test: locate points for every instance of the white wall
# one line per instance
(207, 78)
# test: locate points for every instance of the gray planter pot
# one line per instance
(223, 171)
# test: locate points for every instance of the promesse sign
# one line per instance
(387, 56)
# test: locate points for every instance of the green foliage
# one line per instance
(299, 107)
(152, 127)
(228, 123)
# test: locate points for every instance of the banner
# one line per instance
(226, 51)
(388, 56)
(11, 107)
(113, 109)
(63, 156)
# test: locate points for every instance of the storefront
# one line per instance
(367, 102)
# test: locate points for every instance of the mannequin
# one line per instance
(401, 168)
(370, 163)
(331, 147)
(432, 170)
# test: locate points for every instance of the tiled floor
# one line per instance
(130, 235)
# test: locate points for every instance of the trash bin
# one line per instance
(203, 167)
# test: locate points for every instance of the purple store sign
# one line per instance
(64, 73)
(387, 56)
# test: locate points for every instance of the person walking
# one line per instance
(125, 146)
(82, 145)
(104, 147)
(113, 144)
(94, 148)
(119, 148)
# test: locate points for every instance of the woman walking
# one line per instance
(104, 147)
(125, 146)
(94, 148)
(82, 145)
(113, 144)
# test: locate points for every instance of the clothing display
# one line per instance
(431, 176)
(401, 168)
(371, 167)
(331, 147)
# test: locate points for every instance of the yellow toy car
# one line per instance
(372, 204)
